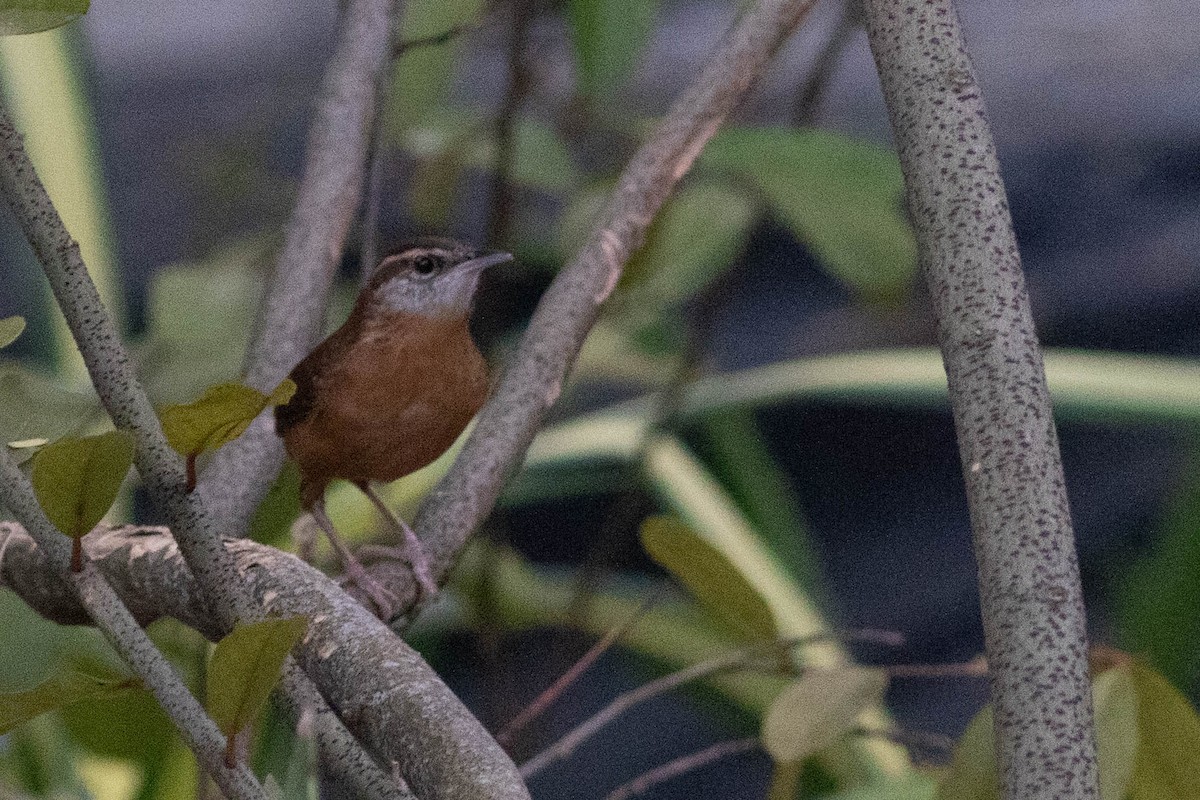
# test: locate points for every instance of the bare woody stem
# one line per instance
(339, 137)
(571, 305)
(129, 639)
(1032, 602)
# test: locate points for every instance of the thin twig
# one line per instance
(112, 374)
(571, 304)
(403, 48)
(757, 655)
(975, 668)
(925, 740)
(330, 190)
(1032, 602)
(520, 82)
(682, 766)
(812, 91)
(568, 678)
(128, 639)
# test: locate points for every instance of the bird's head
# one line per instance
(432, 277)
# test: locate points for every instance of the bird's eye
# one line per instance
(424, 265)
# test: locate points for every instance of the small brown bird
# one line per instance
(390, 390)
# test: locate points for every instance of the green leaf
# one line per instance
(818, 709)
(1116, 709)
(422, 77)
(910, 787)
(55, 692)
(695, 238)
(840, 196)
(245, 666)
(742, 461)
(974, 775)
(33, 406)
(200, 317)
(10, 329)
(608, 37)
(76, 480)
(1168, 756)
(709, 576)
(219, 417)
(32, 16)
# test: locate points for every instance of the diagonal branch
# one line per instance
(128, 638)
(388, 697)
(1033, 615)
(339, 137)
(571, 305)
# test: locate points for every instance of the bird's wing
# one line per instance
(301, 405)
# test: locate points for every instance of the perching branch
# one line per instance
(570, 306)
(1033, 613)
(128, 638)
(409, 692)
(388, 697)
(239, 475)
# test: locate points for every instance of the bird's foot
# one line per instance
(412, 553)
(386, 601)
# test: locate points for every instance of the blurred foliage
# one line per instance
(34, 16)
(737, 538)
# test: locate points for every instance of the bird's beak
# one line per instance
(484, 260)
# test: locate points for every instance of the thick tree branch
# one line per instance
(1033, 611)
(570, 306)
(239, 475)
(389, 698)
(127, 637)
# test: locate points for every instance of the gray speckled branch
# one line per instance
(118, 625)
(239, 475)
(1033, 611)
(571, 305)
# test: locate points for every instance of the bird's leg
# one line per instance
(412, 551)
(384, 600)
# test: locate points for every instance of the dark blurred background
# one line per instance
(201, 113)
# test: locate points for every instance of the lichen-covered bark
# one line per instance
(1028, 576)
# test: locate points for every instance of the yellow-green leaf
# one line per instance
(54, 693)
(818, 709)
(33, 16)
(709, 576)
(221, 415)
(76, 479)
(245, 666)
(1167, 766)
(10, 329)
(1116, 709)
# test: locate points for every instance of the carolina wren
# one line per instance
(391, 389)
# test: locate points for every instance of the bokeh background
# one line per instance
(192, 122)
